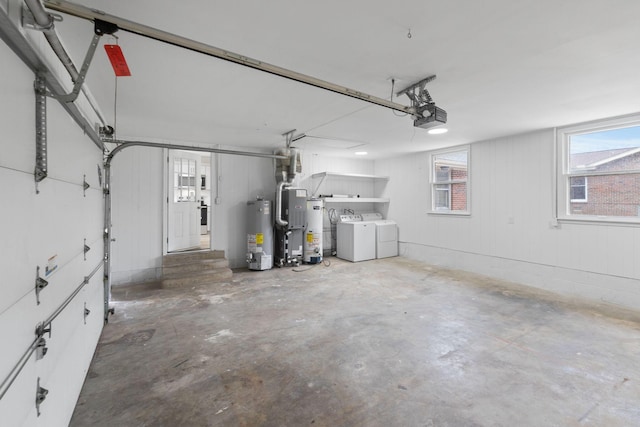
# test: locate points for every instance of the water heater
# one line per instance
(313, 232)
(259, 235)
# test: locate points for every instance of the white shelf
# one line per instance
(325, 175)
(355, 200)
(348, 175)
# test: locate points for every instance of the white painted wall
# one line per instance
(137, 180)
(136, 214)
(137, 209)
(240, 179)
(508, 233)
(364, 187)
(35, 227)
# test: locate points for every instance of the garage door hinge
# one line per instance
(41, 395)
(40, 284)
(41, 348)
(85, 185)
(86, 313)
(86, 249)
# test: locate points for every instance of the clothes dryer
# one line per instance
(386, 238)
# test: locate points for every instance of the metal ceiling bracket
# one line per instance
(82, 74)
(86, 249)
(40, 88)
(14, 37)
(288, 136)
(101, 27)
(425, 112)
(106, 133)
(418, 93)
(85, 185)
(41, 395)
(29, 21)
(40, 284)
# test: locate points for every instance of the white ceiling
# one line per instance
(503, 67)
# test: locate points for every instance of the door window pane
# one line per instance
(184, 180)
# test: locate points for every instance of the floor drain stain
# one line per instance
(138, 336)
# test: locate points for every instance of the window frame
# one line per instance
(433, 184)
(563, 174)
(586, 189)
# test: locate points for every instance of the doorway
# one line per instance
(188, 201)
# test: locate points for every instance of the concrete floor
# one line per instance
(380, 343)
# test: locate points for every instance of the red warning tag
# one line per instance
(117, 60)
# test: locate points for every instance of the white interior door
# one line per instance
(183, 210)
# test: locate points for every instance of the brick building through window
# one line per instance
(450, 179)
(599, 190)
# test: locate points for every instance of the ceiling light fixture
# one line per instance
(437, 131)
(361, 153)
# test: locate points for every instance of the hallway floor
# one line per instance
(389, 342)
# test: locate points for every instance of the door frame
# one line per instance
(166, 193)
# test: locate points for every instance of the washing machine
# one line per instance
(356, 239)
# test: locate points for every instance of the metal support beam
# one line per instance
(82, 75)
(40, 171)
(125, 144)
(15, 40)
(89, 14)
(43, 21)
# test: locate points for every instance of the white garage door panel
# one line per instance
(35, 227)
(65, 365)
(63, 375)
(17, 329)
(18, 261)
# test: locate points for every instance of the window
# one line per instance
(184, 180)
(578, 189)
(449, 181)
(600, 171)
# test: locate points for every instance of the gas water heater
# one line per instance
(313, 232)
(259, 234)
